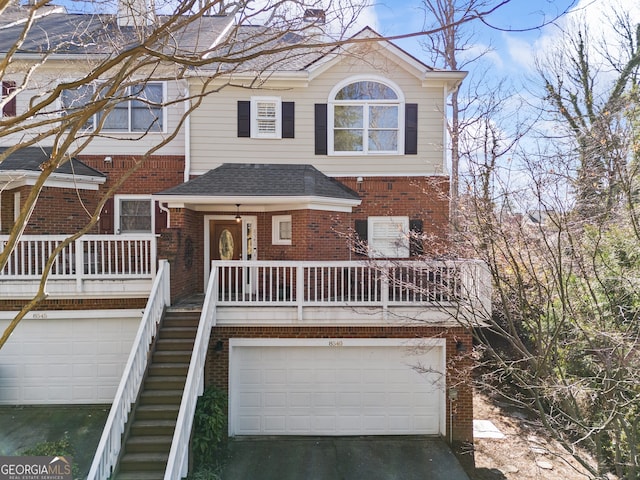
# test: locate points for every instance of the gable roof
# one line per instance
(296, 185)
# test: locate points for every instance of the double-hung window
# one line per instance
(73, 100)
(134, 214)
(366, 118)
(140, 110)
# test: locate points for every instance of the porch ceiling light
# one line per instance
(238, 217)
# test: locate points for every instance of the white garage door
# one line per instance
(336, 387)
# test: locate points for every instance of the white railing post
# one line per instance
(384, 291)
(79, 263)
(300, 271)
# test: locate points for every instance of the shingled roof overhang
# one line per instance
(261, 188)
(22, 167)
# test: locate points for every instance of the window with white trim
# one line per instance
(366, 117)
(75, 99)
(141, 109)
(266, 117)
(281, 229)
(133, 214)
(388, 237)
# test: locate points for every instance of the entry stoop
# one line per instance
(153, 421)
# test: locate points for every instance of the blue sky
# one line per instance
(513, 50)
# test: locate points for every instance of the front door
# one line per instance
(226, 240)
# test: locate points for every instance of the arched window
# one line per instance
(366, 118)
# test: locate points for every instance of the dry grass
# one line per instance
(525, 453)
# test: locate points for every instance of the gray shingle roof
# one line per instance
(30, 158)
(99, 34)
(256, 180)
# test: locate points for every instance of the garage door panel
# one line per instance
(311, 390)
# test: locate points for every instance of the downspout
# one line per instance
(165, 210)
(187, 135)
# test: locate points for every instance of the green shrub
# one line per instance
(210, 428)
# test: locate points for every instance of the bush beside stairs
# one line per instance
(153, 421)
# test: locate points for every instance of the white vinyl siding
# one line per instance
(213, 132)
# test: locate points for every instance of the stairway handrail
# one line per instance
(178, 462)
(110, 443)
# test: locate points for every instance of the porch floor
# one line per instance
(188, 304)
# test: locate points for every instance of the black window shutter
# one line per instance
(160, 218)
(9, 109)
(411, 129)
(321, 128)
(415, 239)
(288, 120)
(244, 118)
(106, 218)
(360, 243)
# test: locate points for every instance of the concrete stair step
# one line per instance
(171, 356)
(177, 332)
(161, 397)
(144, 461)
(165, 382)
(153, 427)
(150, 475)
(149, 443)
(173, 322)
(157, 412)
(167, 368)
(182, 344)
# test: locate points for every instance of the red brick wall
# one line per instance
(155, 174)
(77, 304)
(419, 198)
(183, 246)
(459, 412)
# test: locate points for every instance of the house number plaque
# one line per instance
(335, 343)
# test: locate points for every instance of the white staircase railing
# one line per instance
(178, 462)
(110, 443)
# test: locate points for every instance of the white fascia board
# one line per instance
(452, 79)
(289, 78)
(258, 204)
(20, 178)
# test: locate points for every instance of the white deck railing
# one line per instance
(178, 462)
(89, 257)
(383, 284)
(110, 443)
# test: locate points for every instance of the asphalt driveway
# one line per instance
(341, 458)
